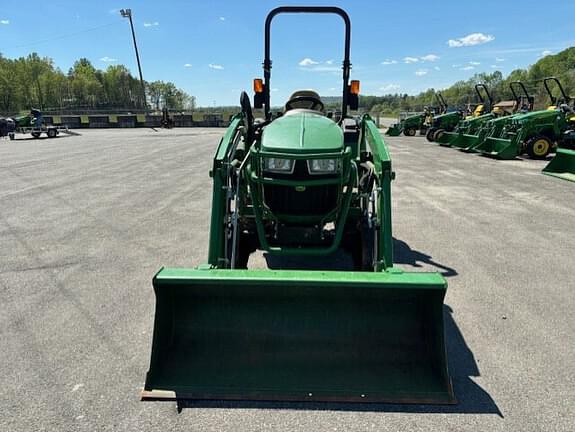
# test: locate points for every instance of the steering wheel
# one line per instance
(315, 103)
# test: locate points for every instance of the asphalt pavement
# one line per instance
(86, 221)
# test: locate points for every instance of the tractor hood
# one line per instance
(535, 115)
(302, 132)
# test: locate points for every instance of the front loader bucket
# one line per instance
(446, 139)
(562, 165)
(499, 148)
(466, 142)
(394, 130)
(299, 336)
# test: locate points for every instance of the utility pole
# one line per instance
(127, 13)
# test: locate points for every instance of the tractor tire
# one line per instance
(538, 147)
(52, 133)
(409, 132)
(36, 134)
(245, 247)
(429, 134)
(437, 134)
(363, 248)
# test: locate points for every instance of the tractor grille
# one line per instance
(313, 201)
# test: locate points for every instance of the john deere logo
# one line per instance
(300, 188)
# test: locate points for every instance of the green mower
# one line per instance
(300, 185)
(536, 133)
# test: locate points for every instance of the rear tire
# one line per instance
(409, 132)
(539, 147)
(429, 134)
(11, 136)
(36, 134)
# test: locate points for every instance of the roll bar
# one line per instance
(480, 96)
(530, 99)
(267, 64)
(442, 103)
(554, 100)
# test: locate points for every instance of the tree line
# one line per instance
(34, 81)
(561, 65)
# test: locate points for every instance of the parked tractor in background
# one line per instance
(466, 134)
(300, 185)
(536, 133)
(449, 121)
(419, 122)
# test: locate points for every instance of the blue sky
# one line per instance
(213, 49)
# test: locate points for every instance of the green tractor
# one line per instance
(419, 122)
(300, 185)
(467, 133)
(449, 121)
(536, 133)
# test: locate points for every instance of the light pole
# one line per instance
(127, 13)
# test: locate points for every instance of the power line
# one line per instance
(41, 41)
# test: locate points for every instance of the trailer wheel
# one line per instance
(429, 134)
(52, 133)
(11, 136)
(36, 134)
(538, 147)
(409, 132)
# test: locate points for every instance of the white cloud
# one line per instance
(499, 59)
(107, 59)
(215, 66)
(546, 53)
(222, 18)
(151, 24)
(5, 22)
(455, 65)
(494, 66)
(474, 63)
(410, 60)
(430, 57)
(436, 68)
(470, 40)
(390, 87)
(329, 62)
(421, 72)
(307, 62)
(188, 65)
(467, 68)
(332, 88)
(388, 62)
(275, 89)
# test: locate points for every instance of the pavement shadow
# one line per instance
(404, 254)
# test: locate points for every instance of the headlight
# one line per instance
(283, 166)
(323, 166)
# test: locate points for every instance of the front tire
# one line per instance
(429, 134)
(438, 134)
(36, 134)
(539, 147)
(52, 133)
(409, 132)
